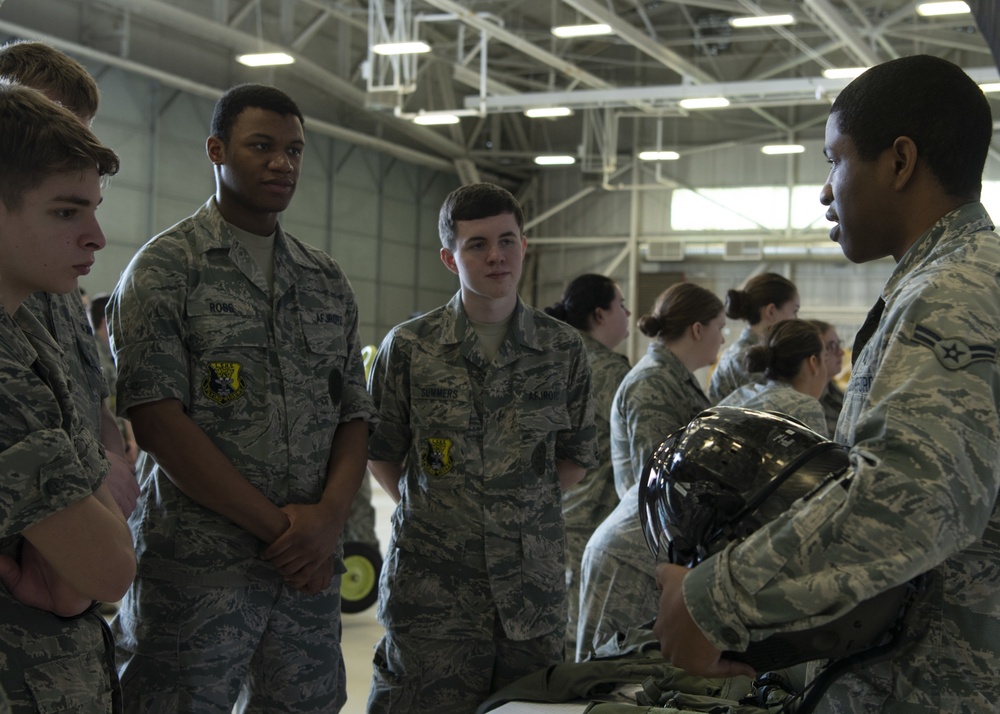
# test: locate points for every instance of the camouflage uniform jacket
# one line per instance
(48, 463)
(729, 373)
(832, 401)
(479, 443)
(66, 320)
(921, 414)
(268, 379)
(781, 397)
(590, 501)
(618, 578)
(658, 396)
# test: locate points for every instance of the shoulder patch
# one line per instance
(952, 352)
(223, 384)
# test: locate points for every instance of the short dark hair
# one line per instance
(759, 291)
(581, 298)
(43, 67)
(472, 202)
(929, 100)
(677, 307)
(242, 96)
(96, 310)
(788, 343)
(39, 138)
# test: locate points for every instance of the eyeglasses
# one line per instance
(834, 345)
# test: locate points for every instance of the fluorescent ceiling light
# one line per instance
(548, 112)
(704, 103)
(264, 59)
(775, 149)
(762, 20)
(581, 30)
(659, 155)
(843, 72)
(930, 9)
(435, 119)
(554, 160)
(990, 87)
(401, 48)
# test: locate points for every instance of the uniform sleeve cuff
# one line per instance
(709, 597)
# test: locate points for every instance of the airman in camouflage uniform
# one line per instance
(63, 540)
(657, 396)
(588, 503)
(257, 385)
(618, 581)
(921, 414)
(65, 81)
(729, 374)
(474, 445)
(776, 396)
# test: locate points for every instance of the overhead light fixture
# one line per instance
(990, 87)
(554, 160)
(762, 20)
(435, 119)
(548, 112)
(932, 9)
(704, 103)
(777, 149)
(591, 30)
(659, 155)
(264, 59)
(401, 48)
(843, 72)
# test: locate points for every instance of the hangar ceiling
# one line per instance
(490, 60)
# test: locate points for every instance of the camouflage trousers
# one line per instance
(263, 647)
(576, 540)
(415, 674)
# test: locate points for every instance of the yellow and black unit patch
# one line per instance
(437, 459)
(223, 384)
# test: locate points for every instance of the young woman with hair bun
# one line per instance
(794, 369)
(765, 299)
(594, 305)
(659, 395)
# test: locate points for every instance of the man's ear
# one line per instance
(904, 155)
(215, 149)
(448, 258)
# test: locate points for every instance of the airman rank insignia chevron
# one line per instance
(952, 352)
(437, 459)
(223, 385)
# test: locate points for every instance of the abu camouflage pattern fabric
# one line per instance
(781, 397)
(66, 320)
(729, 373)
(921, 414)
(832, 401)
(267, 379)
(478, 542)
(199, 632)
(589, 502)
(658, 396)
(49, 462)
(617, 579)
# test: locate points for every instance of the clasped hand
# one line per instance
(304, 553)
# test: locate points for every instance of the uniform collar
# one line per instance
(967, 218)
(219, 237)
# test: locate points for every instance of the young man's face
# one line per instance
(488, 256)
(857, 198)
(260, 163)
(50, 240)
